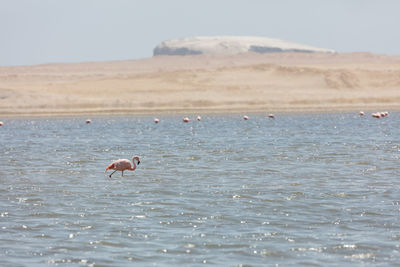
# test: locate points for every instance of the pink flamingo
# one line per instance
(156, 120)
(186, 119)
(271, 116)
(123, 165)
(245, 118)
(88, 121)
(1, 123)
(376, 115)
(198, 118)
(361, 113)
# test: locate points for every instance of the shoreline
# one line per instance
(194, 112)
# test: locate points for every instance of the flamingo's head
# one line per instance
(137, 159)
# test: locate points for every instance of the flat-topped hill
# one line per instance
(231, 45)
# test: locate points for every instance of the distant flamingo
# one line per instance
(186, 119)
(88, 121)
(361, 113)
(198, 118)
(1, 123)
(245, 118)
(123, 165)
(376, 115)
(156, 120)
(271, 116)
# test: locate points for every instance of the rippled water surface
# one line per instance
(298, 190)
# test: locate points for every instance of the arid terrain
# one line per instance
(278, 82)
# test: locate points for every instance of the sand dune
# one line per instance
(282, 82)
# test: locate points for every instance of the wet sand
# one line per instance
(282, 82)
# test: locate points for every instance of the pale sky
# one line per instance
(46, 31)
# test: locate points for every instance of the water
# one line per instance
(298, 190)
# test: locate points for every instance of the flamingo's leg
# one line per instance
(122, 173)
(112, 173)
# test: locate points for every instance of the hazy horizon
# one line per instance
(37, 32)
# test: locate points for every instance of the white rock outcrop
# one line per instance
(231, 45)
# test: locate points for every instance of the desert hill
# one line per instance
(282, 82)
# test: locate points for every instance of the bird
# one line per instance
(198, 118)
(186, 119)
(1, 123)
(245, 118)
(88, 121)
(271, 116)
(123, 165)
(156, 120)
(361, 113)
(376, 115)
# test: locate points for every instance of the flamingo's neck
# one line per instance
(133, 165)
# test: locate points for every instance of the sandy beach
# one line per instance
(281, 82)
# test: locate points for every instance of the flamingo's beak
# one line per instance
(138, 162)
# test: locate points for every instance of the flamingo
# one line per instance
(186, 119)
(361, 113)
(88, 121)
(376, 115)
(156, 120)
(245, 118)
(198, 118)
(122, 165)
(271, 116)
(1, 123)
